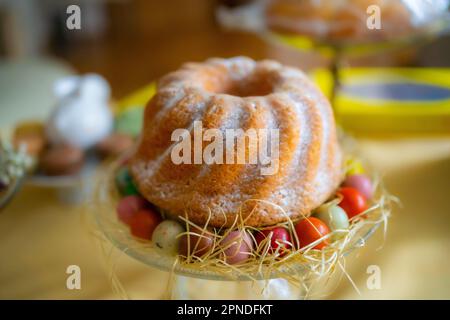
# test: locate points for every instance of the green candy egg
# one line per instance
(333, 216)
(124, 182)
(165, 236)
(130, 121)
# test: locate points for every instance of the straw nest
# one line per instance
(298, 266)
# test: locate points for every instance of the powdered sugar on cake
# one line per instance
(231, 94)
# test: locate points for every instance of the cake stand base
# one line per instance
(188, 288)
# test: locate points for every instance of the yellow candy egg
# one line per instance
(354, 166)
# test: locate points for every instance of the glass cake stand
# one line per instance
(186, 280)
(429, 23)
(71, 189)
(336, 50)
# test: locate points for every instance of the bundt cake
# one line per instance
(239, 93)
(338, 20)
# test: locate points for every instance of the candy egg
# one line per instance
(361, 183)
(237, 247)
(124, 182)
(354, 167)
(129, 206)
(353, 202)
(197, 243)
(333, 216)
(312, 229)
(130, 121)
(143, 223)
(165, 235)
(279, 238)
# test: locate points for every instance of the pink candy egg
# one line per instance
(129, 206)
(238, 246)
(361, 183)
(197, 243)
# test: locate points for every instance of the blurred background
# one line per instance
(131, 43)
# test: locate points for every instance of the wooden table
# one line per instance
(40, 236)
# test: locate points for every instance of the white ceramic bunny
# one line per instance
(82, 116)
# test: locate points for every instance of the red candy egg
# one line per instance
(279, 238)
(353, 202)
(311, 229)
(237, 246)
(144, 222)
(361, 183)
(129, 206)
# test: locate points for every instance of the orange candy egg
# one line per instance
(312, 229)
(353, 202)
